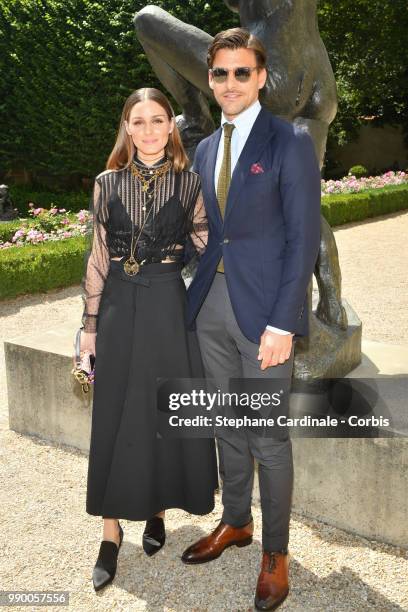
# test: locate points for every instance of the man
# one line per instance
(261, 186)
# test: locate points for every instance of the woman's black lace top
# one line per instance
(118, 202)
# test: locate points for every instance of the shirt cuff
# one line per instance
(276, 330)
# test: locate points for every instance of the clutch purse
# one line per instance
(84, 369)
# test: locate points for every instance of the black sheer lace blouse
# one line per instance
(171, 212)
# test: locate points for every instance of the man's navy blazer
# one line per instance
(270, 236)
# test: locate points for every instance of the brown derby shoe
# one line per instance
(212, 546)
(273, 581)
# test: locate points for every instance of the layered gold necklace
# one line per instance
(151, 174)
(146, 177)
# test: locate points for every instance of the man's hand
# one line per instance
(274, 349)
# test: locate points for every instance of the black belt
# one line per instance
(148, 273)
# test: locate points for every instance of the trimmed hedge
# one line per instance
(37, 268)
(9, 228)
(345, 208)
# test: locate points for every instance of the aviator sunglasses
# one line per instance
(242, 74)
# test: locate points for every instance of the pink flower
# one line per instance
(82, 216)
(19, 233)
(34, 236)
(256, 169)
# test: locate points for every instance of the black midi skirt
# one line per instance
(132, 473)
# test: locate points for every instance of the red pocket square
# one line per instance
(256, 169)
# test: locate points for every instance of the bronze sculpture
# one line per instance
(7, 210)
(301, 89)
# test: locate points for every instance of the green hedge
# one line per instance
(36, 268)
(345, 208)
(9, 228)
(67, 66)
(66, 69)
(73, 201)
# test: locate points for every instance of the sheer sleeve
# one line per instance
(96, 260)
(199, 234)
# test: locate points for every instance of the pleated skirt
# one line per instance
(132, 473)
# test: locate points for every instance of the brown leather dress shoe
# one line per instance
(212, 546)
(273, 581)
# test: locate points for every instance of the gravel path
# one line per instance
(374, 262)
(49, 542)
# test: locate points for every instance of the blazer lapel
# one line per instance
(209, 170)
(262, 131)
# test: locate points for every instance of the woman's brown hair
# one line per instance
(124, 148)
(237, 38)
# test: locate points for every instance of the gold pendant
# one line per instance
(131, 266)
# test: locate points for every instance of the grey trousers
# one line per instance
(227, 353)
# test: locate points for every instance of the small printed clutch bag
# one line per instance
(84, 369)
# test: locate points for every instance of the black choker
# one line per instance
(157, 163)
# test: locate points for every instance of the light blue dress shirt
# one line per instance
(243, 126)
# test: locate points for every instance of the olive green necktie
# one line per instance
(224, 177)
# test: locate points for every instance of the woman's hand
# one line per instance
(88, 342)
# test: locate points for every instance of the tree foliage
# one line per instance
(67, 66)
(367, 43)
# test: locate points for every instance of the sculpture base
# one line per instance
(358, 485)
(335, 351)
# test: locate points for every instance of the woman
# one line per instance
(146, 205)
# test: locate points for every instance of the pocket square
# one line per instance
(256, 169)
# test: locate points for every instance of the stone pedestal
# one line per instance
(359, 485)
(43, 398)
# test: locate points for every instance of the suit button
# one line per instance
(226, 240)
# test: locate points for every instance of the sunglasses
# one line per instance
(242, 75)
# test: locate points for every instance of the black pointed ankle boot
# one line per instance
(106, 563)
(154, 535)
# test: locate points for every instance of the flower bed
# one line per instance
(43, 225)
(351, 184)
(47, 250)
(47, 225)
